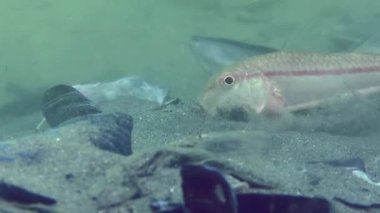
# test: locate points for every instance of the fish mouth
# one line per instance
(235, 114)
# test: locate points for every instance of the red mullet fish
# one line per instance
(277, 83)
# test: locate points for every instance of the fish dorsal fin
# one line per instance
(216, 53)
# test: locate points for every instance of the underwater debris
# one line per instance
(113, 132)
(131, 86)
(172, 101)
(13, 193)
(205, 189)
(64, 104)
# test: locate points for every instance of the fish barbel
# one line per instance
(281, 82)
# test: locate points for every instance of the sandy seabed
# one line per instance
(286, 154)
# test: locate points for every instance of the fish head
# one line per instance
(241, 95)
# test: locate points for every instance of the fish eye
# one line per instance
(228, 80)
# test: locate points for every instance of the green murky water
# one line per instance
(46, 42)
(49, 42)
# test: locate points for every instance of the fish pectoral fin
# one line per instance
(367, 92)
(299, 108)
